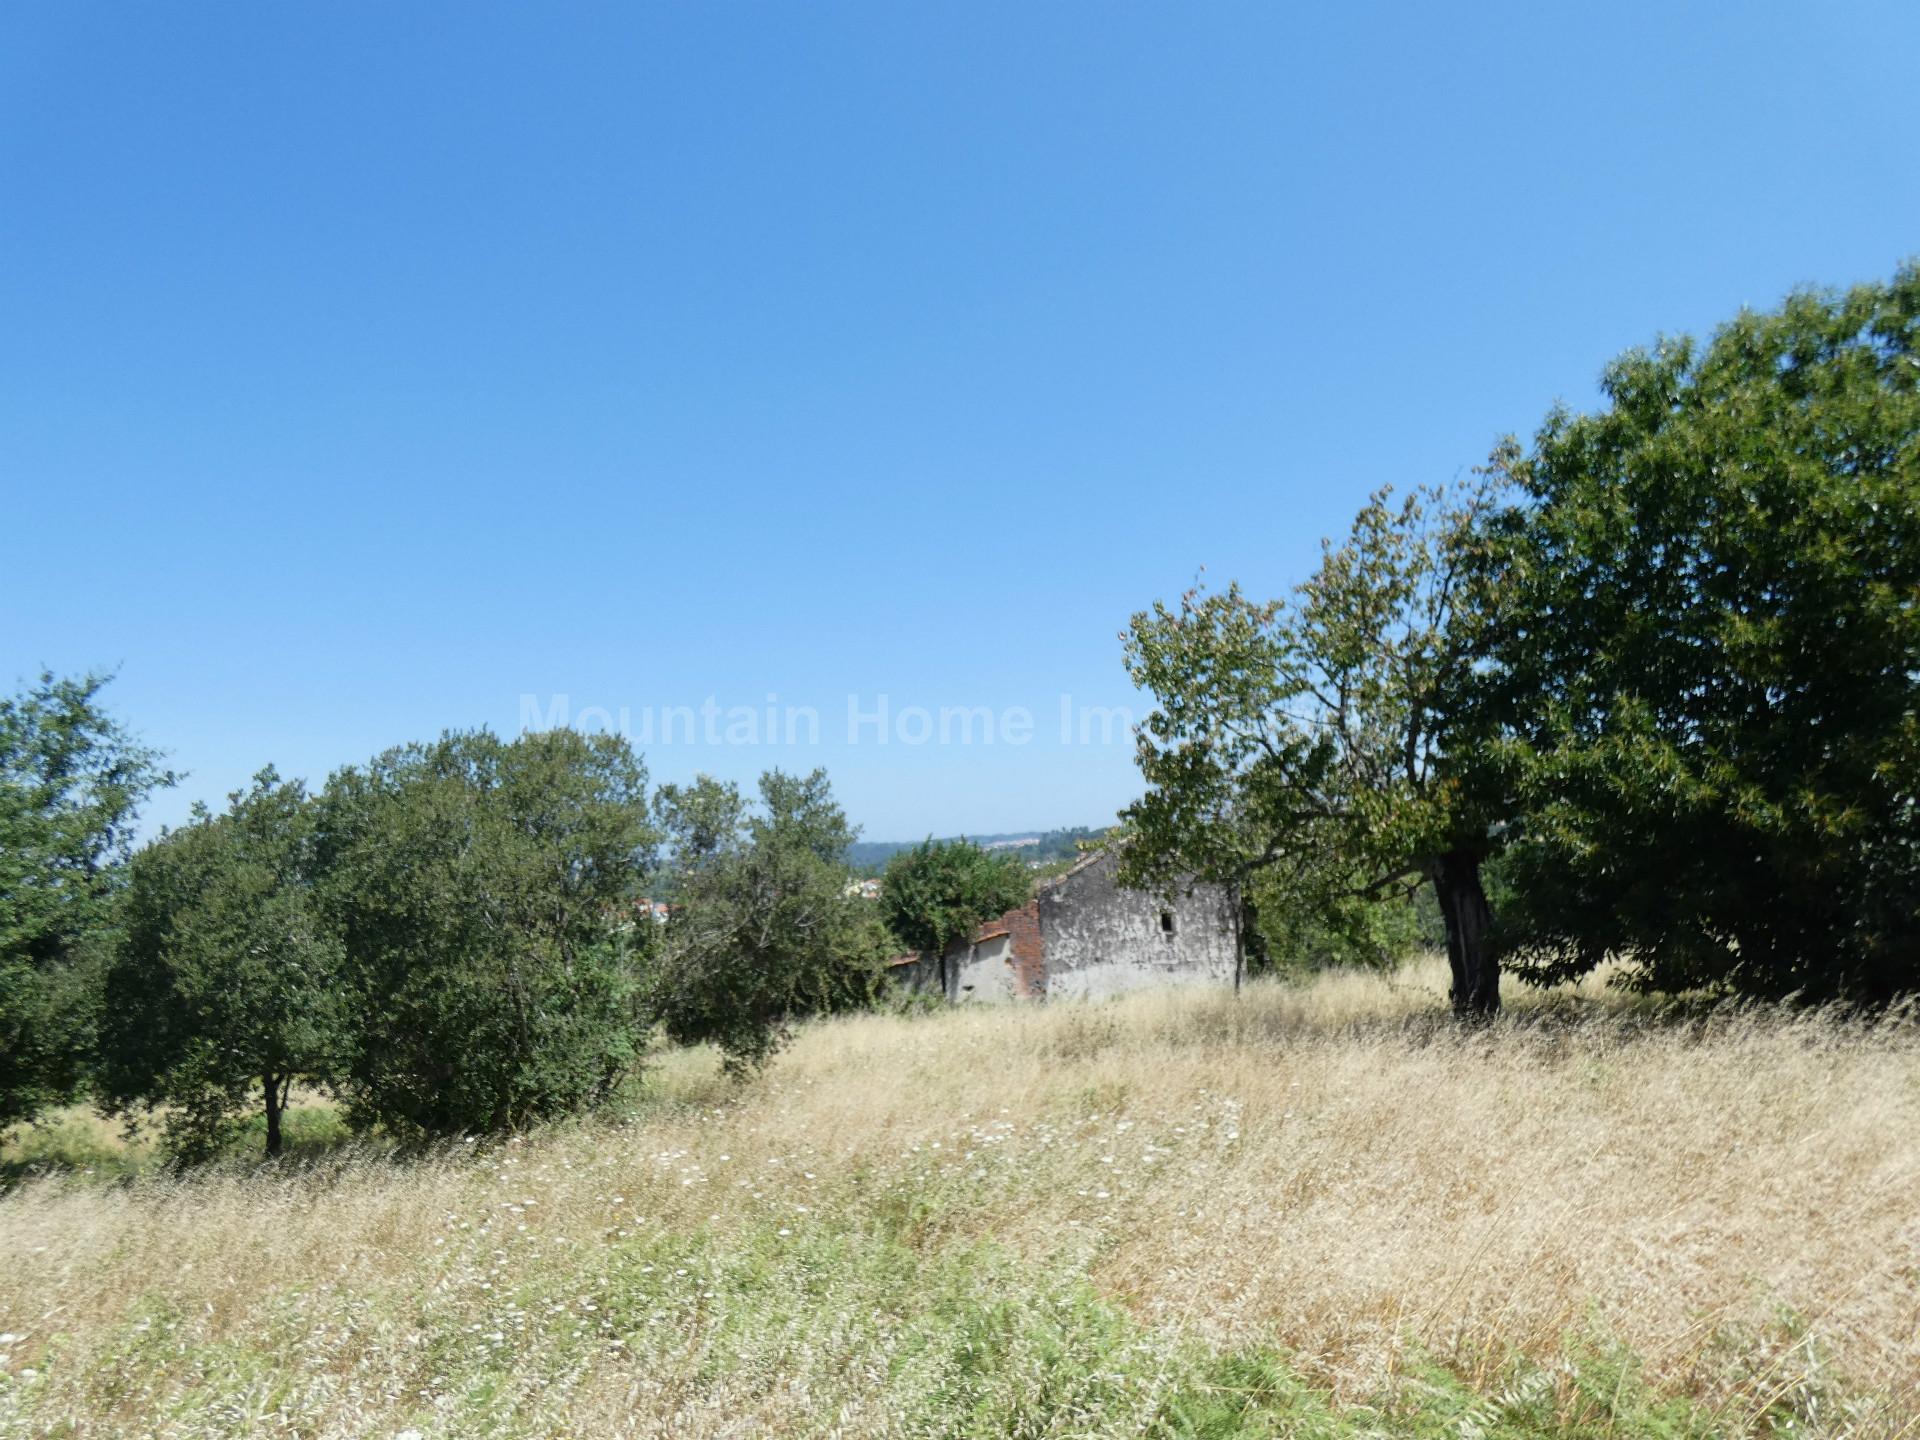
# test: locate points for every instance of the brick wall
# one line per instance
(1028, 955)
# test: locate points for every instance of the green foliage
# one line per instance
(1371, 933)
(71, 780)
(484, 892)
(938, 893)
(1299, 747)
(767, 924)
(225, 984)
(1703, 651)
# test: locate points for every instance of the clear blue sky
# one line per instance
(367, 367)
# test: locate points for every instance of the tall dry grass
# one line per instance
(1335, 1170)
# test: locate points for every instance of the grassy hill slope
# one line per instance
(1306, 1211)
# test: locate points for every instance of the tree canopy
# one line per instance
(1301, 747)
(484, 891)
(225, 983)
(767, 923)
(1701, 660)
(72, 780)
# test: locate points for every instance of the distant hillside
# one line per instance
(1035, 846)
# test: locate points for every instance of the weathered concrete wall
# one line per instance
(980, 971)
(1004, 962)
(1102, 940)
(1083, 936)
(918, 976)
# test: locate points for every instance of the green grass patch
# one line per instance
(74, 1142)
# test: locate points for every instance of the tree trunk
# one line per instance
(1463, 905)
(270, 1088)
(1255, 960)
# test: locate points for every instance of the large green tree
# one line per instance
(1302, 749)
(767, 923)
(484, 891)
(71, 783)
(939, 892)
(224, 990)
(1701, 675)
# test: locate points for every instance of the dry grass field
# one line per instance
(1315, 1210)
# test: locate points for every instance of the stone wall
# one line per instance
(1103, 940)
(1083, 936)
